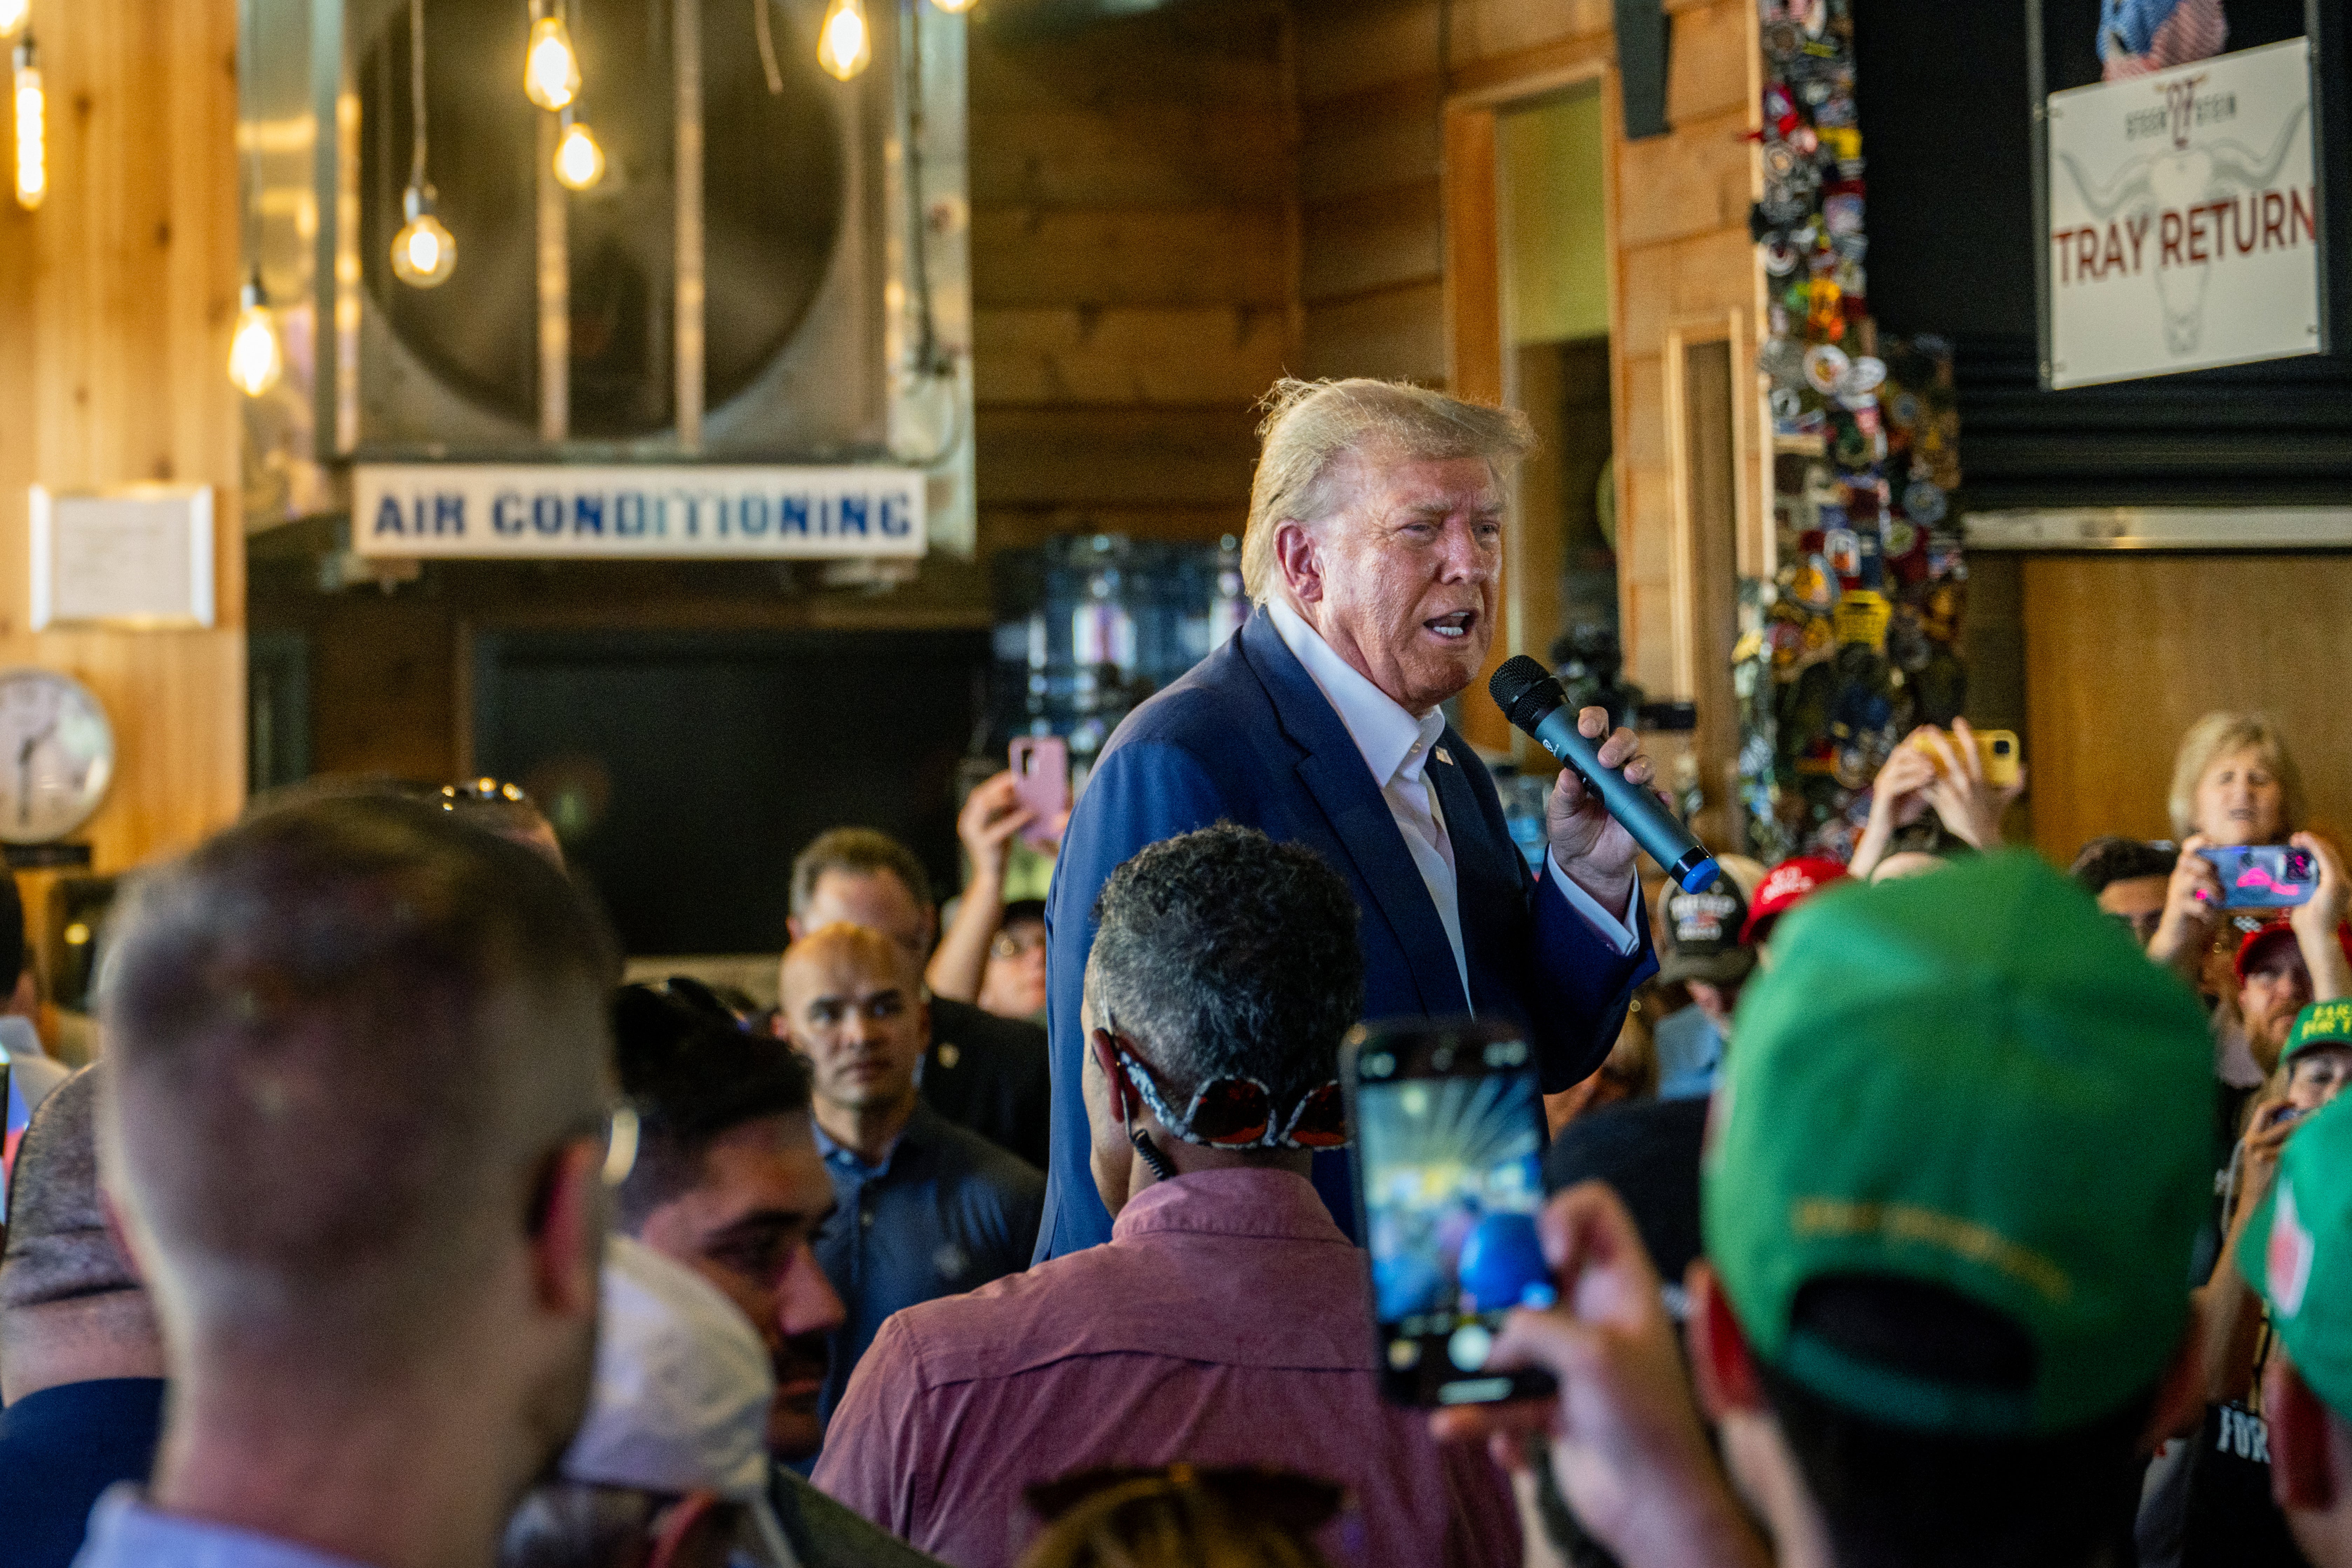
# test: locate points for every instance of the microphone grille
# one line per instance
(1515, 678)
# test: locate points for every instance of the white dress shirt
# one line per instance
(1398, 748)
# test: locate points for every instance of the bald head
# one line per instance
(347, 1039)
(842, 946)
(852, 1002)
(71, 1307)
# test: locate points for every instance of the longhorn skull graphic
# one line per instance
(2178, 180)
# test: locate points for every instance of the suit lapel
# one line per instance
(1334, 773)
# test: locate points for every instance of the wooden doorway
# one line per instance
(1528, 182)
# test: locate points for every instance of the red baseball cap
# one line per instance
(1785, 885)
(2277, 930)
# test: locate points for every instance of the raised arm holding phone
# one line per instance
(1948, 772)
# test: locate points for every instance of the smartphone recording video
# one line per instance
(1996, 750)
(1449, 1176)
(2263, 876)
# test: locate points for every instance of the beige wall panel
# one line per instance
(1714, 273)
(1646, 629)
(1485, 29)
(1707, 69)
(1691, 183)
(1644, 310)
(1645, 387)
(1645, 529)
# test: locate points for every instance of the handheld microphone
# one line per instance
(1531, 699)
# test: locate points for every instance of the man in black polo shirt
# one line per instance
(980, 1071)
(81, 1362)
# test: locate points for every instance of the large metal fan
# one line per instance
(774, 201)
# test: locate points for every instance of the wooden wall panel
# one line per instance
(1113, 256)
(1372, 94)
(1179, 357)
(2124, 652)
(1134, 268)
(116, 303)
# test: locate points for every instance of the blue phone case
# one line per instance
(2263, 876)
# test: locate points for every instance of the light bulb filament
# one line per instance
(551, 74)
(579, 161)
(423, 253)
(256, 359)
(845, 46)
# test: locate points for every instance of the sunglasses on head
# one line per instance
(1239, 1114)
(482, 792)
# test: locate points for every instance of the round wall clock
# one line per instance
(56, 755)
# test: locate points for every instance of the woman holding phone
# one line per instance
(2234, 782)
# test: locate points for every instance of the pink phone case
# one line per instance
(1041, 783)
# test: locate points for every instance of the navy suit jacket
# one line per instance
(1248, 736)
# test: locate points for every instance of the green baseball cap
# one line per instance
(1976, 1081)
(2321, 1024)
(2297, 1251)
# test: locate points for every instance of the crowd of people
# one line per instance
(1935, 1208)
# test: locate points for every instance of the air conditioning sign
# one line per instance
(624, 513)
(2183, 219)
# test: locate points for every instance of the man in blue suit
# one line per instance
(1374, 552)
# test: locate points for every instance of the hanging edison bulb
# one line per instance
(14, 14)
(423, 253)
(32, 128)
(844, 45)
(579, 161)
(255, 358)
(550, 71)
(955, 7)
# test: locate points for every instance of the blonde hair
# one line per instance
(2217, 736)
(1167, 1521)
(1311, 425)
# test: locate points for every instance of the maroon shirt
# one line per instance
(1227, 1322)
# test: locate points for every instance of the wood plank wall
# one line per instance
(117, 299)
(1372, 173)
(1133, 214)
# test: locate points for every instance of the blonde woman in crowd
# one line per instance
(2235, 782)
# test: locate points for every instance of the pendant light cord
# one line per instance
(764, 31)
(417, 88)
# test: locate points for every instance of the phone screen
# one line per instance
(1449, 1129)
(2263, 876)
